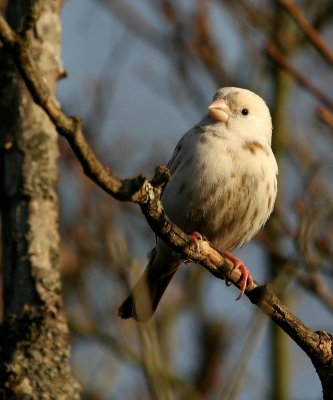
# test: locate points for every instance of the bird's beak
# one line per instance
(219, 110)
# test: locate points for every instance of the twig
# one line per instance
(325, 115)
(310, 32)
(277, 56)
(186, 50)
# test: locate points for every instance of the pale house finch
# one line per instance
(223, 185)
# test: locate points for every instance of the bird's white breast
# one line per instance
(222, 187)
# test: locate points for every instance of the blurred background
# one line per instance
(140, 74)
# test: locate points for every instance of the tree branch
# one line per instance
(309, 31)
(318, 346)
(325, 115)
(278, 57)
(138, 190)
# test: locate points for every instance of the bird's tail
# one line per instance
(148, 291)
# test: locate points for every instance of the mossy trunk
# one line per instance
(34, 347)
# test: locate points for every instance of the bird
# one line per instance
(223, 187)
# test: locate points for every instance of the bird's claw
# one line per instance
(246, 277)
(196, 238)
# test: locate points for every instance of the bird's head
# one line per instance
(242, 112)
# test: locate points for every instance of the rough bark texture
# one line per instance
(34, 349)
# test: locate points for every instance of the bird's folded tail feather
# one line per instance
(148, 291)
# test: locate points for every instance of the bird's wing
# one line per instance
(183, 143)
(175, 159)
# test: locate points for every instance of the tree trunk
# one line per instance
(34, 348)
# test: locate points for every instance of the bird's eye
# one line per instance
(245, 111)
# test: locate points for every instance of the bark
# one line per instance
(34, 348)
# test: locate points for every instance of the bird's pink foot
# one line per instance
(246, 277)
(196, 238)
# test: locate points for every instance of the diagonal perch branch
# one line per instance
(138, 190)
(318, 346)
